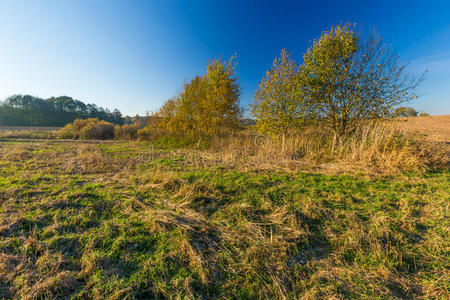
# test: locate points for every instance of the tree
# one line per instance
(26, 110)
(117, 117)
(191, 108)
(406, 112)
(166, 118)
(279, 106)
(223, 92)
(207, 105)
(348, 78)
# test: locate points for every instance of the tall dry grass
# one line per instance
(28, 133)
(374, 145)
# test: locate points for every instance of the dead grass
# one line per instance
(375, 147)
(126, 220)
(9, 132)
(430, 128)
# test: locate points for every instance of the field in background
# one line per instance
(129, 220)
(27, 132)
(432, 128)
(31, 128)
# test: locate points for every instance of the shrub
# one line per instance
(87, 129)
(126, 132)
(151, 133)
(424, 114)
(101, 130)
(67, 132)
(406, 112)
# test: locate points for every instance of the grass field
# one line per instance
(28, 132)
(125, 220)
(432, 128)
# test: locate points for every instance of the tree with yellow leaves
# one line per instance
(207, 105)
(347, 78)
(279, 106)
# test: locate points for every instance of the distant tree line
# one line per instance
(26, 110)
(409, 112)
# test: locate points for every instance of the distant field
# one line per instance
(124, 220)
(433, 128)
(18, 128)
(27, 132)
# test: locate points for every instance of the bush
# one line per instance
(406, 112)
(87, 129)
(67, 132)
(149, 133)
(126, 132)
(424, 114)
(98, 131)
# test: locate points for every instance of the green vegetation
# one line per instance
(116, 220)
(334, 203)
(406, 112)
(26, 110)
(344, 80)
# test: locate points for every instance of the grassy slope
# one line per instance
(97, 221)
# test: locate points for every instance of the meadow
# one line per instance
(27, 132)
(134, 219)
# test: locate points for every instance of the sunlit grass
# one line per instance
(117, 220)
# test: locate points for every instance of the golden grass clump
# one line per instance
(373, 146)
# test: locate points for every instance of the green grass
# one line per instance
(113, 221)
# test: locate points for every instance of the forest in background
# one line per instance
(26, 110)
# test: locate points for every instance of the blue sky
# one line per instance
(134, 55)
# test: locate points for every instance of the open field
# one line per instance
(28, 132)
(432, 128)
(127, 220)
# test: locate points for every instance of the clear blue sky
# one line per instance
(134, 55)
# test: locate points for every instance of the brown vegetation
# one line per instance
(121, 220)
(87, 129)
(430, 128)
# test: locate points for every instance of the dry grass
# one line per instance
(126, 220)
(9, 132)
(431, 128)
(374, 147)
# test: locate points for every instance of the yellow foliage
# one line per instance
(279, 106)
(207, 105)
